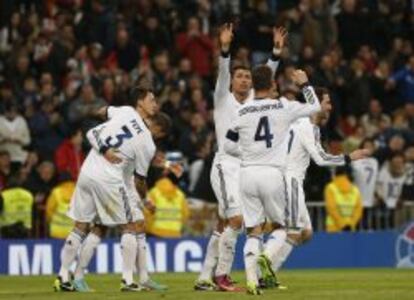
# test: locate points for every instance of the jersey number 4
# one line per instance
(263, 132)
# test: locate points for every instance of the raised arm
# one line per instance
(312, 105)
(224, 77)
(279, 38)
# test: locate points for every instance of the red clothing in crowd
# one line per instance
(69, 159)
(198, 49)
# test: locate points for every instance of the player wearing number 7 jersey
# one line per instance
(259, 136)
(304, 144)
(105, 192)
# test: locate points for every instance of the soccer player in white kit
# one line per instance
(105, 193)
(259, 135)
(225, 170)
(304, 145)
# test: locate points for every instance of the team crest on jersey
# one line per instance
(405, 248)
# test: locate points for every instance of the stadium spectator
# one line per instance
(40, 183)
(14, 135)
(390, 183)
(372, 119)
(69, 155)
(5, 168)
(57, 204)
(171, 210)
(343, 203)
(196, 46)
(16, 205)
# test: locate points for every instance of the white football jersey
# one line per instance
(225, 104)
(126, 132)
(304, 144)
(365, 173)
(389, 188)
(262, 128)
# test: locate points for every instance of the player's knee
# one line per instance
(99, 230)
(83, 227)
(140, 227)
(306, 235)
(236, 222)
(254, 231)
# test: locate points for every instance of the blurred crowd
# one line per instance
(60, 60)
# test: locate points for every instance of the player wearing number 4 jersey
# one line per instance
(303, 145)
(259, 137)
(105, 191)
(225, 170)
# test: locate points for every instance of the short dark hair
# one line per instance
(235, 68)
(138, 93)
(262, 78)
(163, 121)
(320, 91)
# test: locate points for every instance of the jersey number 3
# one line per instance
(263, 132)
(119, 138)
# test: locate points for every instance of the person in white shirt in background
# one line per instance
(259, 136)
(365, 173)
(390, 182)
(14, 135)
(303, 145)
(233, 88)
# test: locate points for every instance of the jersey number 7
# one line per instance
(263, 132)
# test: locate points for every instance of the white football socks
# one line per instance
(274, 243)
(86, 253)
(283, 254)
(69, 252)
(141, 259)
(211, 258)
(129, 254)
(226, 248)
(251, 253)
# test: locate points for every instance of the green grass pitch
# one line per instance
(335, 284)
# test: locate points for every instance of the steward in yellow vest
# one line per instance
(16, 206)
(60, 225)
(171, 210)
(343, 204)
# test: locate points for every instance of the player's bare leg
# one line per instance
(141, 261)
(89, 245)
(204, 281)
(227, 245)
(251, 254)
(68, 255)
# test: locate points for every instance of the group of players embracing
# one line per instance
(265, 144)
(264, 147)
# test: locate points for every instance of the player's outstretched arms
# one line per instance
(360, 154)
(224, 77)
(102, 113)
(279, 40)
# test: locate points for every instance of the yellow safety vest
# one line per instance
(17, 207)
(346, 203)
(60, 224)
(168, 219)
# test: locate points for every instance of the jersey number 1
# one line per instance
(263, 132)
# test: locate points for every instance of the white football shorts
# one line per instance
(224, 178)
(298, 214)
(263, 195)
(106, 203)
